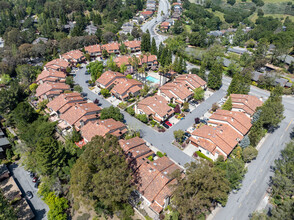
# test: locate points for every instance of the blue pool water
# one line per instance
(152, 79)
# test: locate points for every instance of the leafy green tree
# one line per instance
(69, 81)
(177, 28)
(256, 133)
(235, 172)
(139, 5)
(6, 210)
(95, 69)
(105, 54)
(198, 94)
(233, 68)
(245, 142)
(215, 77)
(111, 65)
(231, 2)
(112, 112)
(201, 189)
(179, 135)
(101, 174)
(272, 111)
(23, 115)
(105, 93)
(238, 85)
(142, 117)
(249, 153)
(123, 68)
(78, 88)
(228, 104)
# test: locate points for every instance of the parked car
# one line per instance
(187, 134)
(35, 179)
(29, 194)
(37, 184)
(165, 125)
(168, 123)
(84, 94)
(32, 174)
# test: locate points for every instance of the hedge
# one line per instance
(203, 156)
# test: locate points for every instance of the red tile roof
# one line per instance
(122, 60)
(248, 103)
(155, 105)
(154, 180)
(222, 136)
(57, 64)
(76, 112)
(50, 87)
(48, 75)
(63, 99)
(237, 120)
(93, 49)
(108, 78)
(136, 44)
(192, 81)
(123, 86)
(146, 13)
(102, 127)
(111, 47)
(165, 24)
(176, 90)
(73, 55)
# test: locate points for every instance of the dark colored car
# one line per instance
(165, 125)
(84, 94)
(32, 174)
(187, 134)
(35, 179)
(29, 194)
(168, 123)
(37, 184)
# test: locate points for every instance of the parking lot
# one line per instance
(24, 181)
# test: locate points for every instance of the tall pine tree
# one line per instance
(153, 47)
(215, 76)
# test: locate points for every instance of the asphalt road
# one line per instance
(24, 181)
(164, 6)
(255, 183)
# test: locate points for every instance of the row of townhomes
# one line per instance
(176, 92)
(225, 129)
(71, 111)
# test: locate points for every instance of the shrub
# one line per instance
(203, 156)
(249, 153)
(150, 158)
(159, 154)
(131, 100)
(143, 118)
(131, 111)
(123, 105)
(172, 105)
(129, 76)
(105, 93)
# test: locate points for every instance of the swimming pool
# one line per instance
(152, 79)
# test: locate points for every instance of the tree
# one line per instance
(139, 5)
(249, 153)
(235, 172)
(105, 54)
(102, 175)
(78, 88)
(233, 68)
(201, 189)
(215, 77)
(27, 73)
(95, 69)
(239, 85)
(231, 2)
(228, 104)
(112, 112)
(198, 94)
(153, 49)
(88, 57)
(185, 106)
(179, 135)
(142, 117)
(69, 81)
(272, 111)
(245, 142)
(111, 65)
(6, 210)
(146, 42)
(105, 93)
(177, 28)
(256, 133)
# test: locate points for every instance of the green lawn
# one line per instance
(218, 13)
